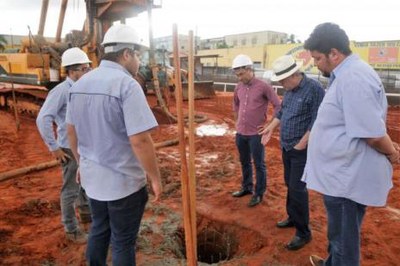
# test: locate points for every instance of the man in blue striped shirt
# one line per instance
(299, 111)
(109, 123)
(54, 110)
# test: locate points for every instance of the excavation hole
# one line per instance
(218, 241)
(214, 246)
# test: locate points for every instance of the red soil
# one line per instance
(31, 232)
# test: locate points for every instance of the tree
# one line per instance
(222, 45)
(292, 39)
(3, 42)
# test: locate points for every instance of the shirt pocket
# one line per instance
(298, 106)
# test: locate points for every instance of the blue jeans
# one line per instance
(250, 147)
(117, 221)
(344, 227)
(297, 208)
(71, 194)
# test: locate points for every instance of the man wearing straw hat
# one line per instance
(109, 123)
(299, 111)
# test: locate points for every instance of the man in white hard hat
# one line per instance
(299, 110)
(76, 63)
(250, 103)
(109, 123)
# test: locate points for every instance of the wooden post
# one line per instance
(192, 150)
(61, 17)
(190, 253)
(24, 170)
(43, 16)
(17, 122)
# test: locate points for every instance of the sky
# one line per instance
(367, 20)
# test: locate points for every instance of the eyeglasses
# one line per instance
(83, 69)
(239, 71)
(135, 52)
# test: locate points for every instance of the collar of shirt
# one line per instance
(342, 67)
(248, 84)
(69, 81)
(301, 84)
(111, 64)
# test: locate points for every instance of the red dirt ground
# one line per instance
(31, 232)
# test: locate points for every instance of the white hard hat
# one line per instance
(74, 56)
(241, 61)
(119, 37)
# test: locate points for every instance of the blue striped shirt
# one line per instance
(106, 106)
(54, 110)
(299, 111)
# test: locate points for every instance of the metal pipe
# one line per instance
(43, 16)
(61, 20)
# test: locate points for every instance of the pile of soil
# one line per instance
(229, 232)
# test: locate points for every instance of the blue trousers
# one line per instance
(72, 195)
(344, 227)
(297, 208)
(250, 147)
(117, 221)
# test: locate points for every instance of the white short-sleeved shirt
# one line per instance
(106, 106)
(340, 163)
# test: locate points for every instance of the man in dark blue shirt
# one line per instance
(296, 117)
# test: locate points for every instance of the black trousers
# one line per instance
(297, 209)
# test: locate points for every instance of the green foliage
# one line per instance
(222, 46)
(3, 42)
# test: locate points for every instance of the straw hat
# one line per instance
(284, 67)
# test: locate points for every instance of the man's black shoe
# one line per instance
(241, 193)
(285, 224)
(255, 200)
(297, 243)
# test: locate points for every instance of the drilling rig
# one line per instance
(27, 76)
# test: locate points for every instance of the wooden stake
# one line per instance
(190, 253)
(17, 122)
(192, 149)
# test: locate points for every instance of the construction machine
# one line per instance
(28, 75)
(166, 78)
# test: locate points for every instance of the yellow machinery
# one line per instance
(36, 68)
(25, 68)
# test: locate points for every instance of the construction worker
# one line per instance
(301, 100)
(250, 102)
(109, 123)
(76, 64)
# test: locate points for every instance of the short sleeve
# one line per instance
(362, 108)
(138, 116)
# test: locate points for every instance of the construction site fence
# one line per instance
(393, 97)
(390, 78)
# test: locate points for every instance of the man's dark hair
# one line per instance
(327, 36)
(115, 56)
